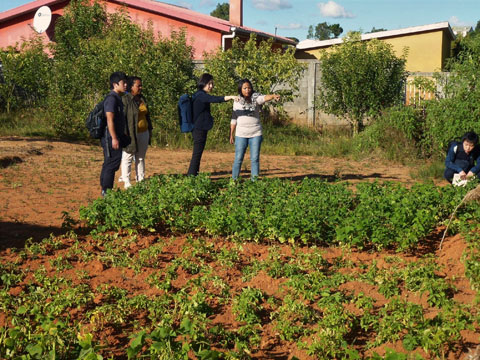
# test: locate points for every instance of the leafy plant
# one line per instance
(359, 79)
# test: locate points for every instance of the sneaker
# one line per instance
(104, 192)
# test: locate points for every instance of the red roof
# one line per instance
(172, 11)
(25, 9)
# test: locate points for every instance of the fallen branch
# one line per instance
(472, 195)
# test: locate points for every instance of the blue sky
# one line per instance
(292, 17)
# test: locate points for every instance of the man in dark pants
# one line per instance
(114, 138)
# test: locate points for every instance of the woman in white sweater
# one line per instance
(246, 126)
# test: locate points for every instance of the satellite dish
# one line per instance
(42, 19)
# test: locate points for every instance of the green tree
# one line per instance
(324, 31)
(79, 22)
(24, 75)
(82, 65)
(270, 70)
(359, 79)
(457, 110)
(222, 11)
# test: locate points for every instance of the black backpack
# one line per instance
(96, 121)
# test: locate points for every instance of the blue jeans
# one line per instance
(241, 144)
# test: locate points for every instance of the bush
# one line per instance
(458, 112)
(270, 71)
(307, 212)
(359, 79)
(25, 71)
(92, 44)
(398, 133)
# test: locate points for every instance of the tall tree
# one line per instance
(222, 11)
(359, 79)
(324, 31)
(336, 30)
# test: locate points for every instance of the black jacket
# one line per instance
(202, 118)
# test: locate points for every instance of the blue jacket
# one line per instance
(202, 118)
(458, 160)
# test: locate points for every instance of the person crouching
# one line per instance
(463, 158)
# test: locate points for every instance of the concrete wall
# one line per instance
(302, 109)
(303, 112)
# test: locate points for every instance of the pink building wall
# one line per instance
(20, 27)
(201, 38)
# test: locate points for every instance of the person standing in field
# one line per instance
(202, 118)
(246, 126)
(115, 138)
(139, 127)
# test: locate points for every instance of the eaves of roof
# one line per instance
(172, 11)
(30, 7)
(313, 44)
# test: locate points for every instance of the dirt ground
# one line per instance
(41, 179)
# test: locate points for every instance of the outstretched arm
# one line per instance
(270, 97)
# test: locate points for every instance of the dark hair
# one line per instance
(204, 80)
(470, 137)
(240, 84)
(116, 77)
(130, 81)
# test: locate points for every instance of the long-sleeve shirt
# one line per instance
(202, 118)
(246, 116)
(458, 160)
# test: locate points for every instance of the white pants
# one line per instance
(139, 156)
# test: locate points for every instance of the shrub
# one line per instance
(270, 71)
(359, 79)
(92, 44)
(24, 73)
(458, 112)
(398, 133)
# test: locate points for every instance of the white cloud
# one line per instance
(334, 10)
(207, 3)
(271, 4)
(291, 26)
(455, 21)
(184, 4)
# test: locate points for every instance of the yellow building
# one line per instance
(429, 46)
